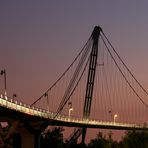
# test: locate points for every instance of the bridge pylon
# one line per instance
(91, 77)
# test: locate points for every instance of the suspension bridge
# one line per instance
(97, 90)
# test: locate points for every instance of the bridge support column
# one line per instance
(83, 135)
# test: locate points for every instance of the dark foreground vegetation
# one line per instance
(132, 139)
(53, 138)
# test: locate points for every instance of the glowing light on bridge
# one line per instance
(24, 108)
(115, 116)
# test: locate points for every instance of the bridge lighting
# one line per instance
(70, 109)
(1, 96)
(46, 95)
(115, 116)
(69, 112)
(3, 72)
(6, 95)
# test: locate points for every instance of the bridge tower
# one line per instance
(91, 77)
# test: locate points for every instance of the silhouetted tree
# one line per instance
(135, 139)
(99, 141)
(52, 138)
(102, 142)
(132, 139)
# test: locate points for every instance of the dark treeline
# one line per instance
(132, 139)
(53, 138)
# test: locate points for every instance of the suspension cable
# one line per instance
(124, 64)
(76, 73)
(123, 73)
(67, 93)
(66, 100)
(63, 73)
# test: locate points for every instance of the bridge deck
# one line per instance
(13, 110)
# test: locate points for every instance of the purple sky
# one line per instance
(39, 39)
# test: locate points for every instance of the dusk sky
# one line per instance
(39, 39)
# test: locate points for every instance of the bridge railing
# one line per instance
(23, 107)
(31, 110)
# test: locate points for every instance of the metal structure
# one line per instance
(91, 77)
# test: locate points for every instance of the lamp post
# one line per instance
(46, 95)
(110, 113)
(3, 72)
(70, 109)
(69, 112)
(115, 116)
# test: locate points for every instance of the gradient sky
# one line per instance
(39, 39)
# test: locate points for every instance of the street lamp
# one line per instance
(70, 109)
(46, 95)
(69, 112)
(3, 72)
(110, 113)
(115, 116)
